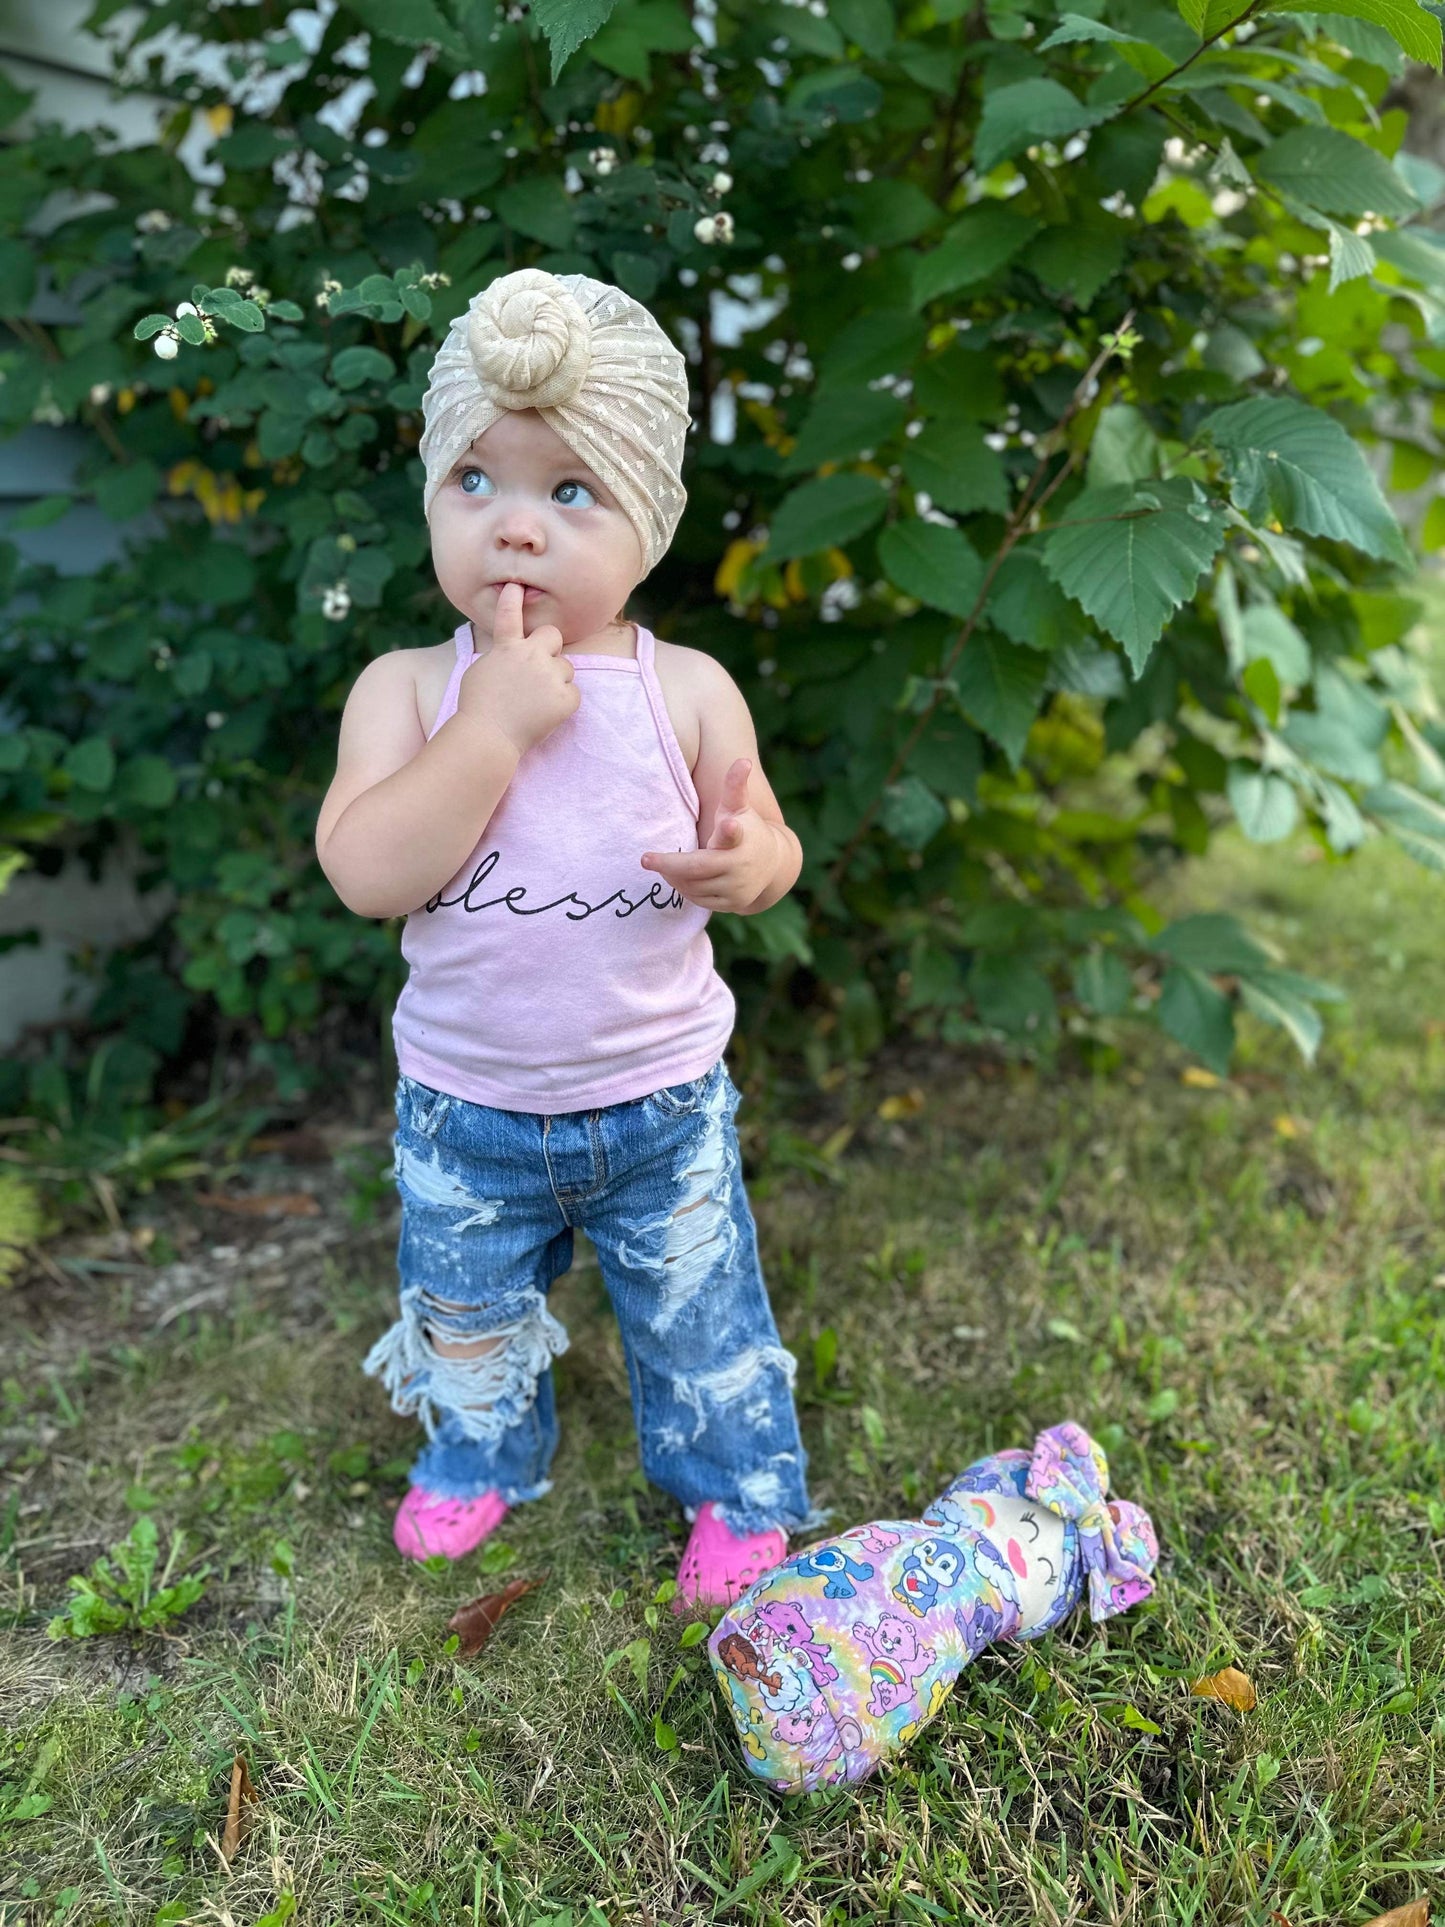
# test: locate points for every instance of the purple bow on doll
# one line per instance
(1070, 1475)
(836, 1658)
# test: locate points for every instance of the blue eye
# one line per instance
(466, 477)
(574, 483)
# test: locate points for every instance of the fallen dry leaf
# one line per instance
(477, 1620)
(243, 1796)
(1415, 1913)
(1199, 1079)
(902, 1104)
(263, 1204)
(1233, 1687)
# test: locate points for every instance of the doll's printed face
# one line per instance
(520, 505)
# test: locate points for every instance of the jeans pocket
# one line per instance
(425, 1108)
(680, 1100)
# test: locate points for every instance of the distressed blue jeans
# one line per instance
(490, 1199)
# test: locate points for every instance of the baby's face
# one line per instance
(520, 505)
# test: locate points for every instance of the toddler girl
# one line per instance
(557, 801)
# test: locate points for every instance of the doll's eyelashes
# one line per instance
(1031, 1520)
(1048, 1563)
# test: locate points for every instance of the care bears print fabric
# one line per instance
(837, 1657)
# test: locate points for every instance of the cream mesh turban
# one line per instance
(596, 366)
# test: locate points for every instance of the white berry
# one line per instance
(706, 228)
(167, 347)
(721, 182)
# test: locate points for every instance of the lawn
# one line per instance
(1238, 1287)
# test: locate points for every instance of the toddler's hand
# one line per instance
(523, 684)
(741, 855)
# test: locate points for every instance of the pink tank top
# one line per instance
(553, 973)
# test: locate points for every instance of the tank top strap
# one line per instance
(667, 736)
(448, 705)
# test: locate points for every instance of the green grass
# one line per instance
(1239, 1289)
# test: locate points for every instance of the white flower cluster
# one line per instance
(336, 602)
(328, 288)
(714, 227)
(604, 159)
(155, 220)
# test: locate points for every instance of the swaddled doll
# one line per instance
(835, 1658)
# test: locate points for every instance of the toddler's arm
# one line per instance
(402, 813)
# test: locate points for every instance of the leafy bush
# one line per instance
(1044, 545)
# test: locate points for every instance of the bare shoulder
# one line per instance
(381, 726)
(693, 683)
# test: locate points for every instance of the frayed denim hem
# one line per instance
(746, 1520)
(443, 1488)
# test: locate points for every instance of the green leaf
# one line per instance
(567, 23)
(954, 466)
(883, 341)
(1329, 170)
(90, 764)
(932, 562)
(413, 23)
(1207, 17)
(123, 492)
(1079, 260)
(912, 813)
(1261, 684)
(1211, 941)
(844, 92)
(17, 277)
(888, 213)
(353, 366)
(867, 23)
(981, 241)
(1416, 251)
(1197, 1015)
(1013, 997)
(1265, 804)
(1078, 26)
(1416, 821)
(842, 424)
(1028, 111)
(1124, 447)
(538, 207)
(1294, 462)
(1031, 609)
(1268, 635)
(823, 514)
(146, 782)
(1102, 983)
(1130, 555)
(1272, 995)
(1413, 27)
(1000, 686)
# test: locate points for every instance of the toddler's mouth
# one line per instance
(528, 589)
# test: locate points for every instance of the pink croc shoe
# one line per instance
(426, 1524)
(718, 1566)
